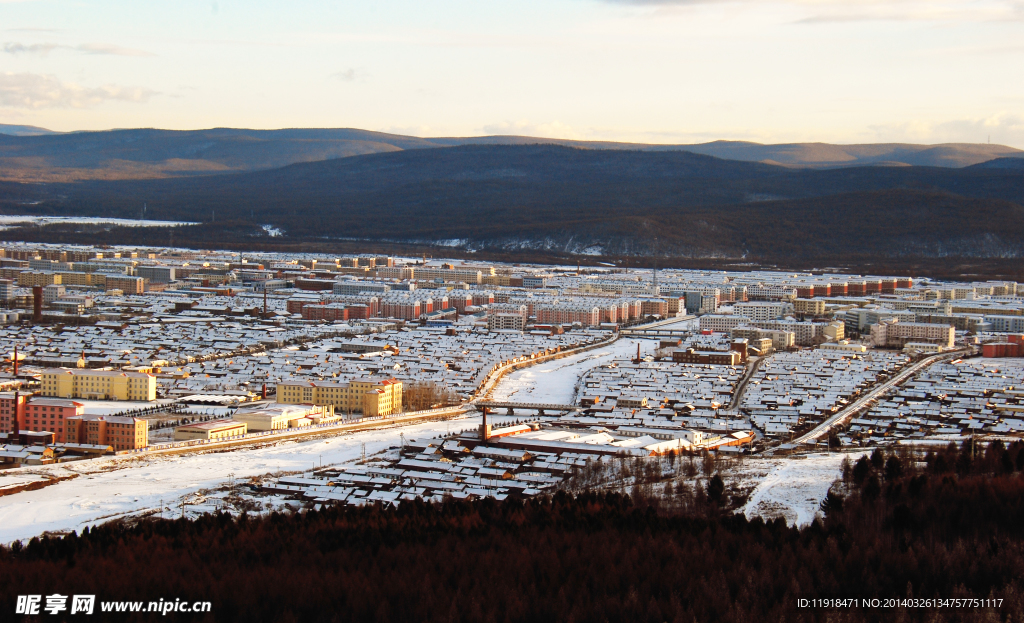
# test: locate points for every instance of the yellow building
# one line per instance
(210, 431)
(835, 331)
(29, 279)
(371, 397)
(813, 307)
(280, 417)
(98, 384)
(81, 279)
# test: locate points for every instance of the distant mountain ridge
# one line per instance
(550, 198)
(36, 155)
(23, 130)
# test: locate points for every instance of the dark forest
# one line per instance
(949, 524)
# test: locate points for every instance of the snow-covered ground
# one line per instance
(794, 487)
(110, 407)
(555, 381)
(9, 221)
(105, 489)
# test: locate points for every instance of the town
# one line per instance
(144, 352)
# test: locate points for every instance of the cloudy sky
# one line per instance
(662, 71)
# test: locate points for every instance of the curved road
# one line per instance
(875, 393)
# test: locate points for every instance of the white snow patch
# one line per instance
(795, 487)
(10, 221)
(555, 381)
(122, 486)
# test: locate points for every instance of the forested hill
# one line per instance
(29, 154)
(609, 202)
(914, 534)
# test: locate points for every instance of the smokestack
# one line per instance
(15, 428)
(37, 303)
(15, 361)
(264, 302)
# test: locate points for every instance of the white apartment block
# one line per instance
(762, 311)
(770, 292)
(722, 323)
(506, 322)
(891, 333)
(1006, 324)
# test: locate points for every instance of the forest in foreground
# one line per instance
(946, 525)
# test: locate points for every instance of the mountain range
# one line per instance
(29, 154)
(568, 201)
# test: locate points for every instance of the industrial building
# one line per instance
(210, 431)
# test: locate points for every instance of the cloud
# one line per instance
(43, 49)
(108, 48)
(346, 75)
(37, 91)
(1002, 128)
(840, 11)
(554, 129)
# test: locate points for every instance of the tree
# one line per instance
(716, 488)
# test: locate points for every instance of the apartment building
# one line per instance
(722, 323)
(810, 307)
(1006, 324)
(156, 274)
(123, 433)
(360, 287)
(569, 313)
(804, 333)
(506, 322)
(715, 358)
(125, 283)
(770, 292)
(780, 339)
(97, 384)
(37, 414)
(371, 397)
(762, 311)
(52, 292)
(333, 312)
(896, 334)
(31, 279)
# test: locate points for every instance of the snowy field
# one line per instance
(794, 487)
(9, 221)
(555, 381)
(106, 489)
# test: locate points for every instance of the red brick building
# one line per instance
(123, 433)
(38, 414)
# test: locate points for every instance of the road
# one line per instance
(741, 386)
(875, 393)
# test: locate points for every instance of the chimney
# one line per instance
(15, 419)
(37, 303)
(15, 361)
(264, 392)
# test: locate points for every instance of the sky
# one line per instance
(653, 71)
